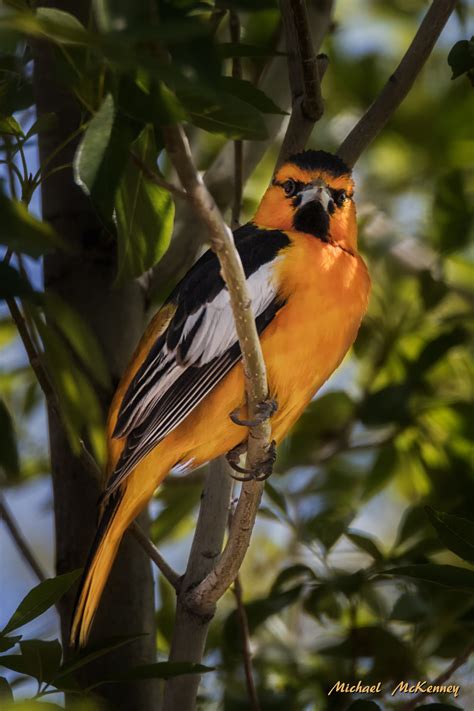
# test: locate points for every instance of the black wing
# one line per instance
(198, 348)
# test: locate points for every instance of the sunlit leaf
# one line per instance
(22, 232)
(79, 336)
(144, 213)
(9, 126)
(40, 599)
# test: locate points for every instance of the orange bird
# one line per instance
(309, 289)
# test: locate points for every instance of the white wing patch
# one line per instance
(215, 334)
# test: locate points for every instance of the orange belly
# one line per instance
(327, 291)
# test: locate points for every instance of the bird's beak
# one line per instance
(317, 192)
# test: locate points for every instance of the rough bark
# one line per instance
(116, 316)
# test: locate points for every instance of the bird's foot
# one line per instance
(262, 469)
(264, 410)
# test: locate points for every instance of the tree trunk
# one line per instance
(116, 316)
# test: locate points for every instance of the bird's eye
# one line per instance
(290, 187)
(339, 197)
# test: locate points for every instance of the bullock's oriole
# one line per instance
(309, 291)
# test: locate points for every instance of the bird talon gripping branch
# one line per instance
(308, 289)
(262, 469)
(265, 409)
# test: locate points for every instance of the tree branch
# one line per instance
(154, 177)
(149, 547)
(190, 630)
(234, 26)
(7, 516)
(399, 84)
(135, 529)
(305, 71)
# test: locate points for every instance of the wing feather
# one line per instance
(198, 348)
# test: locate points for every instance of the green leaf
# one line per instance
(249, 93)
(12, 284)
(93, 146)
(79, 336)
(144, 213)
(448, 576)
(22, 232)
(78, 398)
(455, 532)
(366, 544)
(389, 404)
(163, 670)
(61, 26)
(363, 705)
(461, 57)
(299, 572)
(223, 113)
(93, 652)
(38, 659)
(9, 126)
(385, 465)
(40, 599)
(8, 642)
(6, 694)
(9, 459)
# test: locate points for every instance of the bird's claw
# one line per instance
(264, 410)
(262, 470)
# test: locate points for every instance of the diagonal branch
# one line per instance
(206, 594)
(7, 516)
(399, 84)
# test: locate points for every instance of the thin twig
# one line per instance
(135, 529)
(33, 356)
(234, 27)
(443, 677)
(399, 84)
(154, 177)
(152, 551)
(246, 651)
(10, 522)
(245, 635)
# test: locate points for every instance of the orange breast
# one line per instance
(327, 292)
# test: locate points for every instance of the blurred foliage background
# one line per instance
(360, 565)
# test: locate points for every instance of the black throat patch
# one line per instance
(313, 219)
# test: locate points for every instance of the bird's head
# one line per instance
(312, 192)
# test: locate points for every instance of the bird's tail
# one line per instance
(120, 509)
